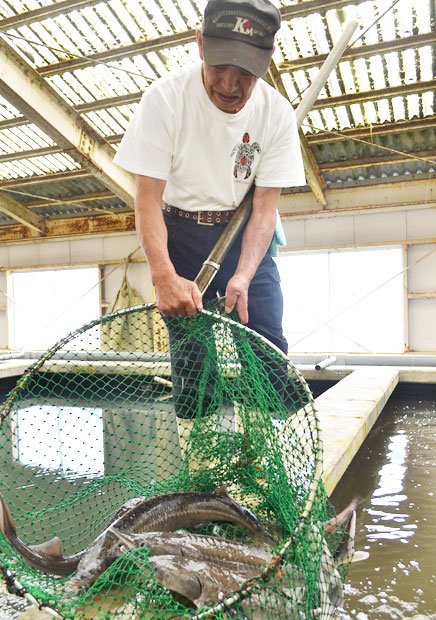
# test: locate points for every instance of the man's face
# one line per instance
(228, 87)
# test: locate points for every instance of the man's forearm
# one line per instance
(151, 229)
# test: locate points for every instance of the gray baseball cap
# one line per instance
(240, 33)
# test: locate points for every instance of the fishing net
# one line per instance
(203, 403)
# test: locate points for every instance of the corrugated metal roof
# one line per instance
(100, 56)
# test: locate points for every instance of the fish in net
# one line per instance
(199, 404)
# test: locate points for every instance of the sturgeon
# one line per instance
(162, 513)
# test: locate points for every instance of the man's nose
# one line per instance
(230, 79)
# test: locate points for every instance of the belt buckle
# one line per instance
(200, 220)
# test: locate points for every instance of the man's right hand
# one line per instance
(177, 296)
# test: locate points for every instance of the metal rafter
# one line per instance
(365, 51)
(30, 93)
(21, 214)
(44, 12)
(313, 174)
(72, 227)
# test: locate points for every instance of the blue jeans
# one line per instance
(189, 245)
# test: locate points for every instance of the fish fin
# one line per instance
(6, 523)
(52, 547)
(222, 490)
(358, 556)
(123, 537)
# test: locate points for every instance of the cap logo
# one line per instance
(243, 25)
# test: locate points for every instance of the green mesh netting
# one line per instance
(88, 427)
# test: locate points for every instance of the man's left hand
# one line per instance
(237, 297)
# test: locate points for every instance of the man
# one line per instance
(197, 142)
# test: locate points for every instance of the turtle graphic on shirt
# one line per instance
(244, 156)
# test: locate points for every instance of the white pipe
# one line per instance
(330, 62)
(328, 361)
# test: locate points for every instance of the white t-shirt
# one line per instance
(209, 158)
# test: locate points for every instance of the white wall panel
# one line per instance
(86, 250)
(119, 247)
(421, 223)
(52, 253)
(332, 231)
(422, 274)
(380, 227)
(422, 325)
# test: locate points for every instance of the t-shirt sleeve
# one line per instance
(281, 163)
(147, 146)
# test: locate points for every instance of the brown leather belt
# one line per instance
(205, 218)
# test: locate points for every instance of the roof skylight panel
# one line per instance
(335, 27)
(7, 110)
(44, 35)
(144, 23)
(287, 40)
(412, 106)
(304, 43)
(409, 66)
(157, 63)
(356, 113)
(366, 16)
(71, 79)
(362, 75)
(405, 18)
(171, 10)
(428, 107)
(343, 117)
(95, 18)
(28, 45)
(114, 25)
(101, 121)
(6, 10)
(61, 161)
(423, 16)
(329, 118)
(65, 34)
(288, 83)
(126, 19)
(157, 17)
(345, 71)
(425, 62)
(370, 113)
(314, 122)
(61, 85)
(383, 111)
(333, 86)
(393, 69)
(376, 72)
(191, 17)
(90, 41)
(398, 108)
(315, 25)
(386, 23)
(139, 67)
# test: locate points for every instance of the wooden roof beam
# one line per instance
(33, 96)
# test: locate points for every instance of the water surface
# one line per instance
(395, 473)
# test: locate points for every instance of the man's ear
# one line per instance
(199, 37)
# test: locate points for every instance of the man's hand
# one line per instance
(176, 296)
(237, 297)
